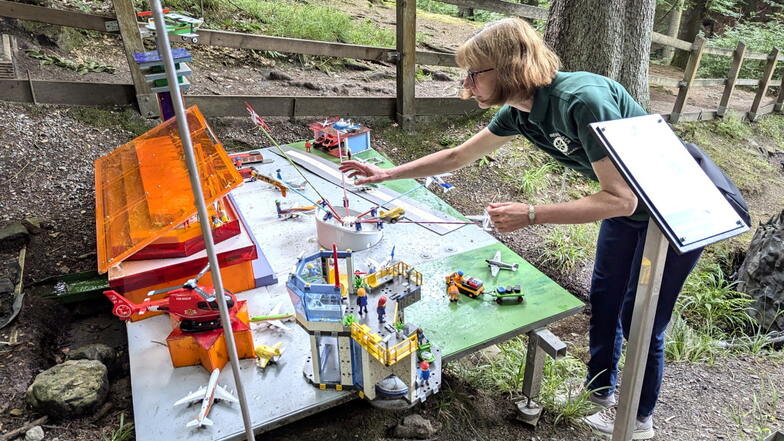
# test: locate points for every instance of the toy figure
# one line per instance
(362, 300)
(453, 292)
(424, 373)
(278, 175)
(312, 272)
(216, 222)
(381, 308)
(358, 226)
(327, 216)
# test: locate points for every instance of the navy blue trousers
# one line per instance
(613, 288)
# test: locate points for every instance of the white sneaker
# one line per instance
(602, 423)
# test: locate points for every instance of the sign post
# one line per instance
(687, 212)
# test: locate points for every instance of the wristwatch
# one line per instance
(531, 215)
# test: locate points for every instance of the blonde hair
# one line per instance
(518, 54)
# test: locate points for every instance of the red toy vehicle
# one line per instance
(195, 306)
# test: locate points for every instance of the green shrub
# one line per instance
(759, 37)
(565, 246)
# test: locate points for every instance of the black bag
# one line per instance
(721, 181)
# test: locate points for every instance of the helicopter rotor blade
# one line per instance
(202, 273)
(162, 291)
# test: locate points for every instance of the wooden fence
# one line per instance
(404, 107)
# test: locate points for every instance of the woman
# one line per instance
(509, 65)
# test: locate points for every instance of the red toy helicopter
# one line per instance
(195, 306)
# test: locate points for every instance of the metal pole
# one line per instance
(654, 256)
(201, 206)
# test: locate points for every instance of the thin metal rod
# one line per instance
(185, 136)
(392, 200)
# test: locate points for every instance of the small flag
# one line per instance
(256, 118)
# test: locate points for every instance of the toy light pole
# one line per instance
(204, 220)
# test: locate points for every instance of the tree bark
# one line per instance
(607, 37)
(690, 30)
(674, 25)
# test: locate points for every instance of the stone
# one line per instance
(352, 65)
(437, 74)
(6, 287)
(13, 236)
(34, 434)
(69, 389)
(380, 76)
(97, 351)
(34, 225)
(415, 426)
(761, 276)
(276, 75)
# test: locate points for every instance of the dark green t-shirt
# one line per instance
(559, 118)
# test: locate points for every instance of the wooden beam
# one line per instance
(663, 81)
(503, 7)
(708, 82)
(666, 40)
(67, 92)
(55, 16)
(132, 42)
(780, 100)
(405, 112)
(719, 51)
(688, 77)
(732, 77)
(704, 115)
(746, 82)
(762, 89)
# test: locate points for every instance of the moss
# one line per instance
(63, 37)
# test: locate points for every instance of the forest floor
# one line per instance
(46, 169)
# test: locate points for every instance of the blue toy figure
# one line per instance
(362, 301)
(424, 372)
(381, 308)
(358, 225)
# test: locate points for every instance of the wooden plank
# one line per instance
(405, 112)
(732, 77)
(780, 100)
(54, 16)
(746, 82)
(704, 115)
(666, 40)
(132, 42)
(663, 81)
(764, 82)
(503, 7)
(67, 92)
(719, 51)
(708, 82)
(688, 77)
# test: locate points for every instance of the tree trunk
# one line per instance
(690, 30)
(608, 37)
(673, 27)
(465, 12)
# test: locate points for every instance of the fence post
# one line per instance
(132, 42)
(763, 84)
(406, 63)
(688, 77)
(732, 77)
(780, 99)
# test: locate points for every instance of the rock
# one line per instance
(34, 434)
(6, 287)
(415, 426)
(306, 84)
(761, 277)
(69, 389)
(13, 236)
(34, 225)
(437, 74)
(13, 270)
(276, 75)
(380, 76)
(64, 37)
(98, 352)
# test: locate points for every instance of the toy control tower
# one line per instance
(374, 352)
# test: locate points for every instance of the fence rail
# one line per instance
(47, 91)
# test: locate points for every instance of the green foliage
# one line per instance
(535, 180)
(127, 119)
(565, 246)
(710, 303)
(759, 37)
(773, 127)
(754, 423)
(683, 343)
(122, 433)
(79, 67)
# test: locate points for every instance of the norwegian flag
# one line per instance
(256, 118)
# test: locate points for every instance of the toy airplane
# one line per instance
(177, 24)
(266, 354)
(374, 266)
(207, 395)
(440, 180)
(482, 220)
(274, 318)
(496, 264)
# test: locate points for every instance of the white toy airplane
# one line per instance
(208, 395)
(483, 220)
(496, 264)
(274, 318)
(440, 180)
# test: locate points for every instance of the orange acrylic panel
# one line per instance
(143, 190)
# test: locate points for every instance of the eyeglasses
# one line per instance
(470, 80)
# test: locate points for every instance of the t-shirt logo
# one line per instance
(562, 143)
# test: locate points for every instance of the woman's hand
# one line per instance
(371, 173)
(508, 216)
